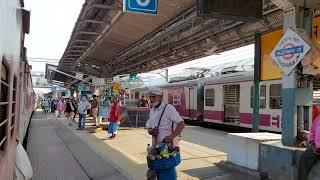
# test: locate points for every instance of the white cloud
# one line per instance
(52, 22)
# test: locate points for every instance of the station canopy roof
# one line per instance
(106, 41)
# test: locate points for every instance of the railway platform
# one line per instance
(58, 151)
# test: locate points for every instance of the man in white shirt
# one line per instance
(83, 107)
(170, 126)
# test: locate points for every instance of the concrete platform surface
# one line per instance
(200, 160)
(58, 151)
(58, 154)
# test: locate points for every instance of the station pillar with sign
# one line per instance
(286, 60)
(296, 89)
(277, 56)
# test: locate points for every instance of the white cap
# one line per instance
(155, 90)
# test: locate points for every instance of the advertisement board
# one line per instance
(269, 69)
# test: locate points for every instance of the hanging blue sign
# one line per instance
(141, 6)
(133, 77)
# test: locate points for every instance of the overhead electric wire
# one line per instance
(43, 60)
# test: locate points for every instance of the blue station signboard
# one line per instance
(141, 6)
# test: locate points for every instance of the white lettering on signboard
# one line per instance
(145, 3)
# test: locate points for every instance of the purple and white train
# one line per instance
(225, 100)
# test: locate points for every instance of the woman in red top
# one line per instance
(315, 111)
(114, 118)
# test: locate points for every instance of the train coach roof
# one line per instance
(181, 83)
(228, 78)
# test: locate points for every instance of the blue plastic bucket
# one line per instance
(167, 174)
(165, 168)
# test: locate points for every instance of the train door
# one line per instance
(136, 95)
(191, 101)
(200, 101)
(231, 103)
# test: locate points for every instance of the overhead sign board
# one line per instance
(109, 80)
(84, 87)
(141, 6)
(241, 10)
(79, 75)
(289, 51)
(98, 81)
(133, 77)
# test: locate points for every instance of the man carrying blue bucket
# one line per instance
(164, 124)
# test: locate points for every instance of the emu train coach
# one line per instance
(225, 100)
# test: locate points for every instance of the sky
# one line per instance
(52, 22)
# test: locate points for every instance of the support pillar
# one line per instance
(289, 108)
(296, 17)
(256, 103)
(166, 74)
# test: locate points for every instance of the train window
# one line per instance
(4, 90)
(263, 93)
(275, 96)
(176, 100)
(263, 96)
(209, 97)
(13, 116)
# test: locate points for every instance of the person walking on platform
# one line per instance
(83, 107)
(64, 101)
(75, 106)
(164, 124)
(312, 154)
(48, 104)
(59, 108)
(53, 106)
(69, 111)
(43, 106)
(114, 118)
(94, 109)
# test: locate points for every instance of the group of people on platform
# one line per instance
(61, 106)
(73, 107)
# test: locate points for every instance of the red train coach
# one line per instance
(16, 94)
